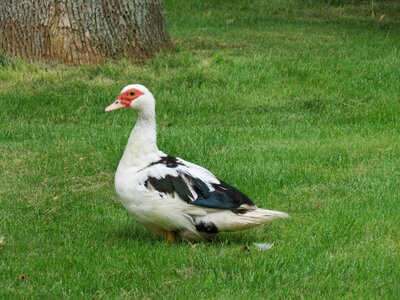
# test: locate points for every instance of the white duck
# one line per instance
(169, 195)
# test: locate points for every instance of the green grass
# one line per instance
(296, 104)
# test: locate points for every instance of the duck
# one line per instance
(170, 196)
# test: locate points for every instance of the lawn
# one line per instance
(297, 105)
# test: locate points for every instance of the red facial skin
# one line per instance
(127, 97)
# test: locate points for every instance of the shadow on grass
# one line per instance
(135, 232)
(131, 231)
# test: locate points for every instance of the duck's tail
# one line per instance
(259, 216)
(245, 217)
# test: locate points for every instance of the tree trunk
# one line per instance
(82, 31)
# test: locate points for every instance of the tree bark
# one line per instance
(82, 31)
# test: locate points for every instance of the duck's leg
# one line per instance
(171, 235)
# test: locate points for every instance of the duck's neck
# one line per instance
(142, 142)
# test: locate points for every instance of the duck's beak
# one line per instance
(116, 105)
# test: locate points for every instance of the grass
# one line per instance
(295, 104)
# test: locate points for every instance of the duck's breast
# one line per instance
(148, 206)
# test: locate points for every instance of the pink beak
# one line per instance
(116, 105)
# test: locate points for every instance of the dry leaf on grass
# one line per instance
(22, 277)
(245, 248)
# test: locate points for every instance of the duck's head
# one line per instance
(134, 96)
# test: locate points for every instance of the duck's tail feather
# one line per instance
(243, 218)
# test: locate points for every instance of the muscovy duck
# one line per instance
(169, 195)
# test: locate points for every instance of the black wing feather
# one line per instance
(182, 189)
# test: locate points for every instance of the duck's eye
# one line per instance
(132, 93)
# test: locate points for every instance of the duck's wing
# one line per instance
(191, 183)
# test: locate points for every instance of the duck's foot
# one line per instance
(171, 235)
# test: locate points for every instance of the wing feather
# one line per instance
(193, 184)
